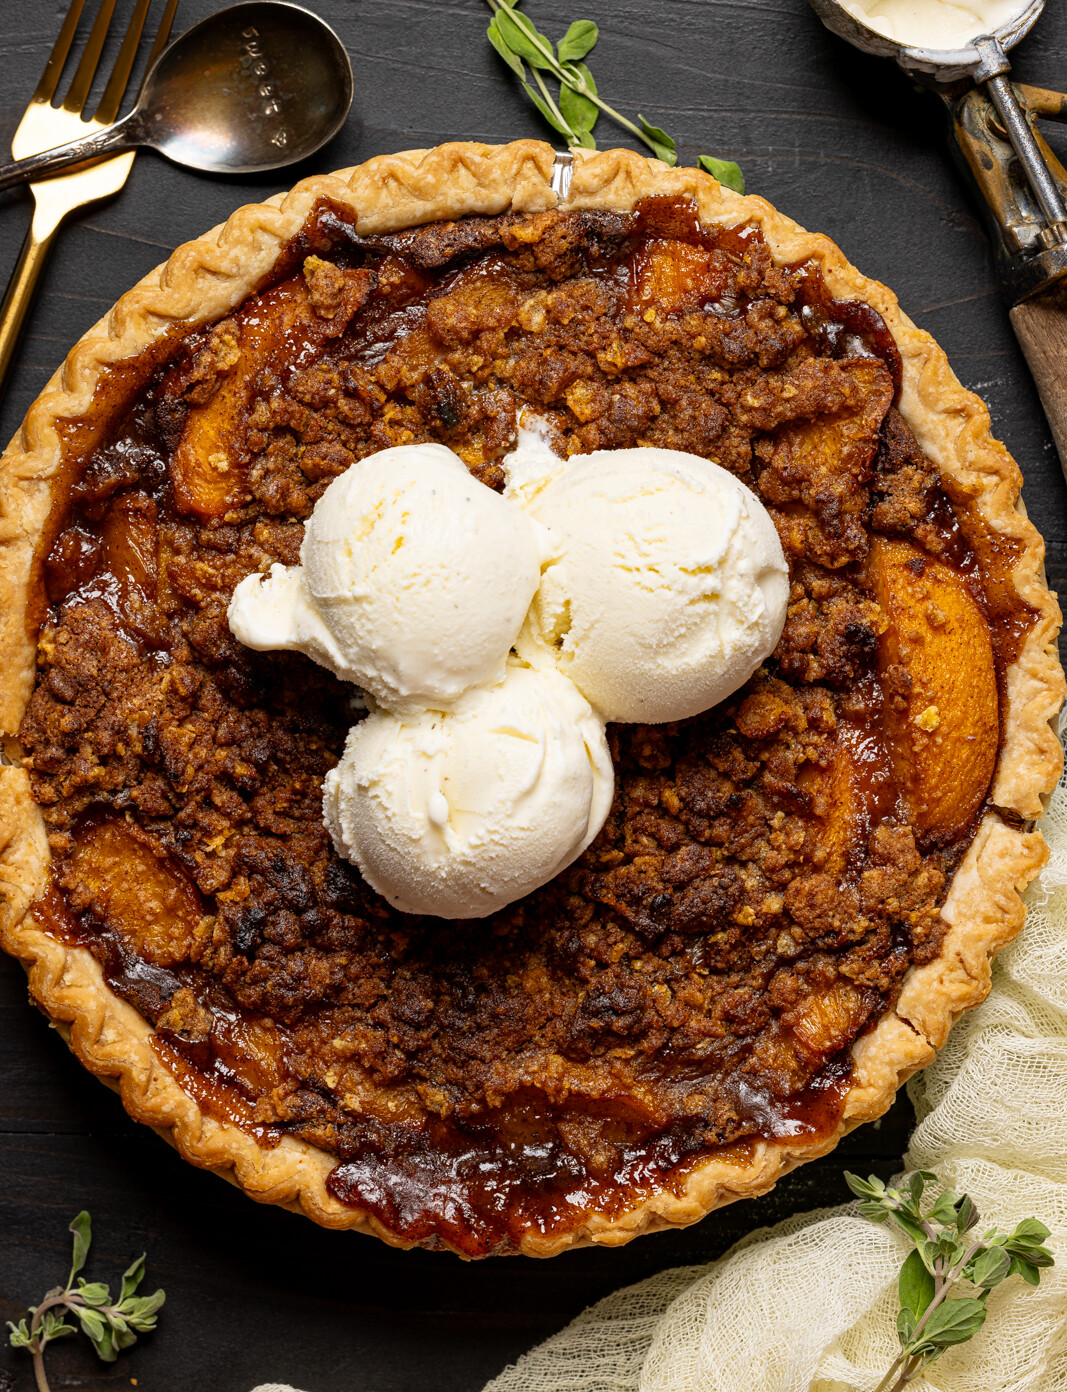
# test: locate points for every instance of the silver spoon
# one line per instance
(251, 88)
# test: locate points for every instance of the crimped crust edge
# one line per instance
(206, 278)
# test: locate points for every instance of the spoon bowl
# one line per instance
(251, 88)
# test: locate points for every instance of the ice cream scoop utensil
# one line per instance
(945, 64)
(251, 88)
(1023, 186)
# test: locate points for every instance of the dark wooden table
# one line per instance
(847, 146)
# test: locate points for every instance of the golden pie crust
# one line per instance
(205, 279)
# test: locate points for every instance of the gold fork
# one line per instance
(45, 125)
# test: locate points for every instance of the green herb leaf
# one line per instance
(1029, 1230)
(930, 1254)
(915, 1286)
(94, 1292)
(726, 171)
(19, 1337)
(913, 1229)
(522, 37)
(141, 1311)
(92, 1322)
(989, 1267)
(131, 1278)
(875, 1211)
(498, 41)
(82, 1228)
(954, 1322)
(105, 1346)
(872, 1188)
(577, 41)
(661, 143)
(1032, 1253)
(576, 108)
(944, 1209)
(966, 1215)
(905, 1327)
(54, 1326)
(1020, 1267)
(122, 1338)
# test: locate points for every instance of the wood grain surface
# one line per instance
(844, 144)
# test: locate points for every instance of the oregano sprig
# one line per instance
(576, 108)
(110, 1325)
(945, 1281)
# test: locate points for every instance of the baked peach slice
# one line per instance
(826, 1021)
(285, 325)
(849, 793)
(131, 544)
(208, 469)
(942, 716)
(671, 275)
(147, 901)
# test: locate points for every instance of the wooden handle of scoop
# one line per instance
(1040, 325)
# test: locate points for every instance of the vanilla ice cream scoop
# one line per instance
(414, 582)
(458, 813)
(667, 587)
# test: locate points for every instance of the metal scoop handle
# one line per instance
(991, 71)
(1022, 186)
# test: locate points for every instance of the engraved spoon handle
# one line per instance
(126, 134)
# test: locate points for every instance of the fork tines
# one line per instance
(78, 93)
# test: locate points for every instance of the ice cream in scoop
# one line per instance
(667, 585)
(414, 580)
(937, 24)
(458, 813)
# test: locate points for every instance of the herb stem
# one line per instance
(577, 83)
(38, 1370)
(943, 1263)
(907, 1373)
(571, 137)
(110, 1325)
(942, 1285)
(884, 1384)
(36, 1347)
(583, 90)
